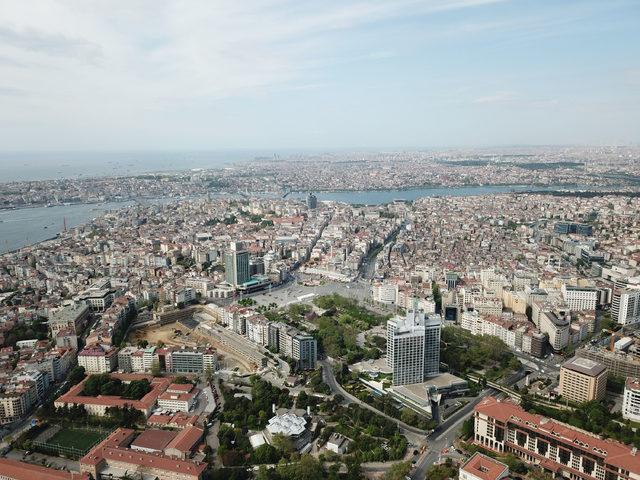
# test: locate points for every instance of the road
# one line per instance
(444, 435)
(336, 388)
(212, 434)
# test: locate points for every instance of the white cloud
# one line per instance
(499, 97)
(165, 51)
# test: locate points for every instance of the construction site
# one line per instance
(200, 328)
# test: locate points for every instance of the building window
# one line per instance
(542, 448)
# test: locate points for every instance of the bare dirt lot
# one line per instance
(171, 334)
(177, 335)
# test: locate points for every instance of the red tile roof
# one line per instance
(25, 471)
(180, 387)
(186, 440)
(154, 439)
(485, 467)
(112, 448)
(158, 386)
(616, 453)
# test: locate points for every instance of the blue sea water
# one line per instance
(53, 165)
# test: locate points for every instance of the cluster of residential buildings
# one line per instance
(27, 374)
(161, 254)
(518, 268)
(278, 337)
(132, 359)
(349, 236)
(363, 171)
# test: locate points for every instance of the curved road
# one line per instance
(330, 379)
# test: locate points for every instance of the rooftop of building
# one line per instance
(287, 424)
(633, 384)
(614, 453)
(485, 467)
(584, 366)
(158, 386)
(153, 439)
(25, 471)
(115, 447)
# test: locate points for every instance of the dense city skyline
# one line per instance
(342, 240)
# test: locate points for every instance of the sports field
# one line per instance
(76, 438)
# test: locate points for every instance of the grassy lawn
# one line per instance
(77, 438)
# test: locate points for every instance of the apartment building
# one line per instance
(557, 328)
(617, 363)
(72, 317)
(631, 400)
(583, 380)
(98, 359)
(17, 398)
(558, 448)
(628, 307)
(304, 350)
(580, 298)
(385, 292)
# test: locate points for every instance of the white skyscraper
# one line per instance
(413, 347)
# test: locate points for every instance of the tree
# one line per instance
(208, 374)
(308, 468)
(76, 375)
(181, 379)
(468, 428)
(136, 389)
(398, 471)
(441, 472)
(94, 385)
(514, 463)
(266, 454)
(303, 400)
(112, 387)
(263, 473)
(354, 468)
(282, 443)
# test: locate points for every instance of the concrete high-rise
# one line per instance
(625, 302)
(236, 262)
(631, 401)
(312, 201)
(583, 380)
(413, 347)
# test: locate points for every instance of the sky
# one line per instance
(296, 74)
